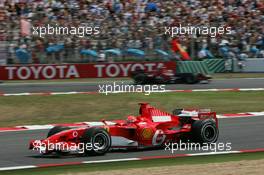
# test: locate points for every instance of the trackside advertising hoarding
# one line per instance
(74, 71)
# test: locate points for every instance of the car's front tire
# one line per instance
(99, 140)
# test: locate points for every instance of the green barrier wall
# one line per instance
(206, 66)
(216, 65)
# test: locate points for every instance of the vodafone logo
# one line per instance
(123, 69)
(42, 72)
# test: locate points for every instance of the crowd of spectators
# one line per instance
(135, 24)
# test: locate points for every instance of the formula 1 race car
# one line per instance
(166, 76)
(152, 128)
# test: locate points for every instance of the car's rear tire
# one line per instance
(99, 139)
(140, 78)
(190, 79)
(56, 130)
(204, 131)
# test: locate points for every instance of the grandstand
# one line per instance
(131, 24)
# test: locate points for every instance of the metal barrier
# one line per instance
(253, 65)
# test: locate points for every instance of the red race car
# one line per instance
(166, 76)
(152, 128)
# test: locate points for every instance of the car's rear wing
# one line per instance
(208, 115)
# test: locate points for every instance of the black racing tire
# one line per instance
(204, 131)
(96, 135)
(56, 130)
(190, 79)
(160, 80)
(140, 78)
(177, 111)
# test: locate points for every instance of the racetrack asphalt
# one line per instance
(242, 133)
(88, 86)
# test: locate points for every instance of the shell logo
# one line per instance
(147, 133)
(107, 128)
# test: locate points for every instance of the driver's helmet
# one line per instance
(131, 119)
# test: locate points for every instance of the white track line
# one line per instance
(130, 159)
(92, 92)
(17, 167)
